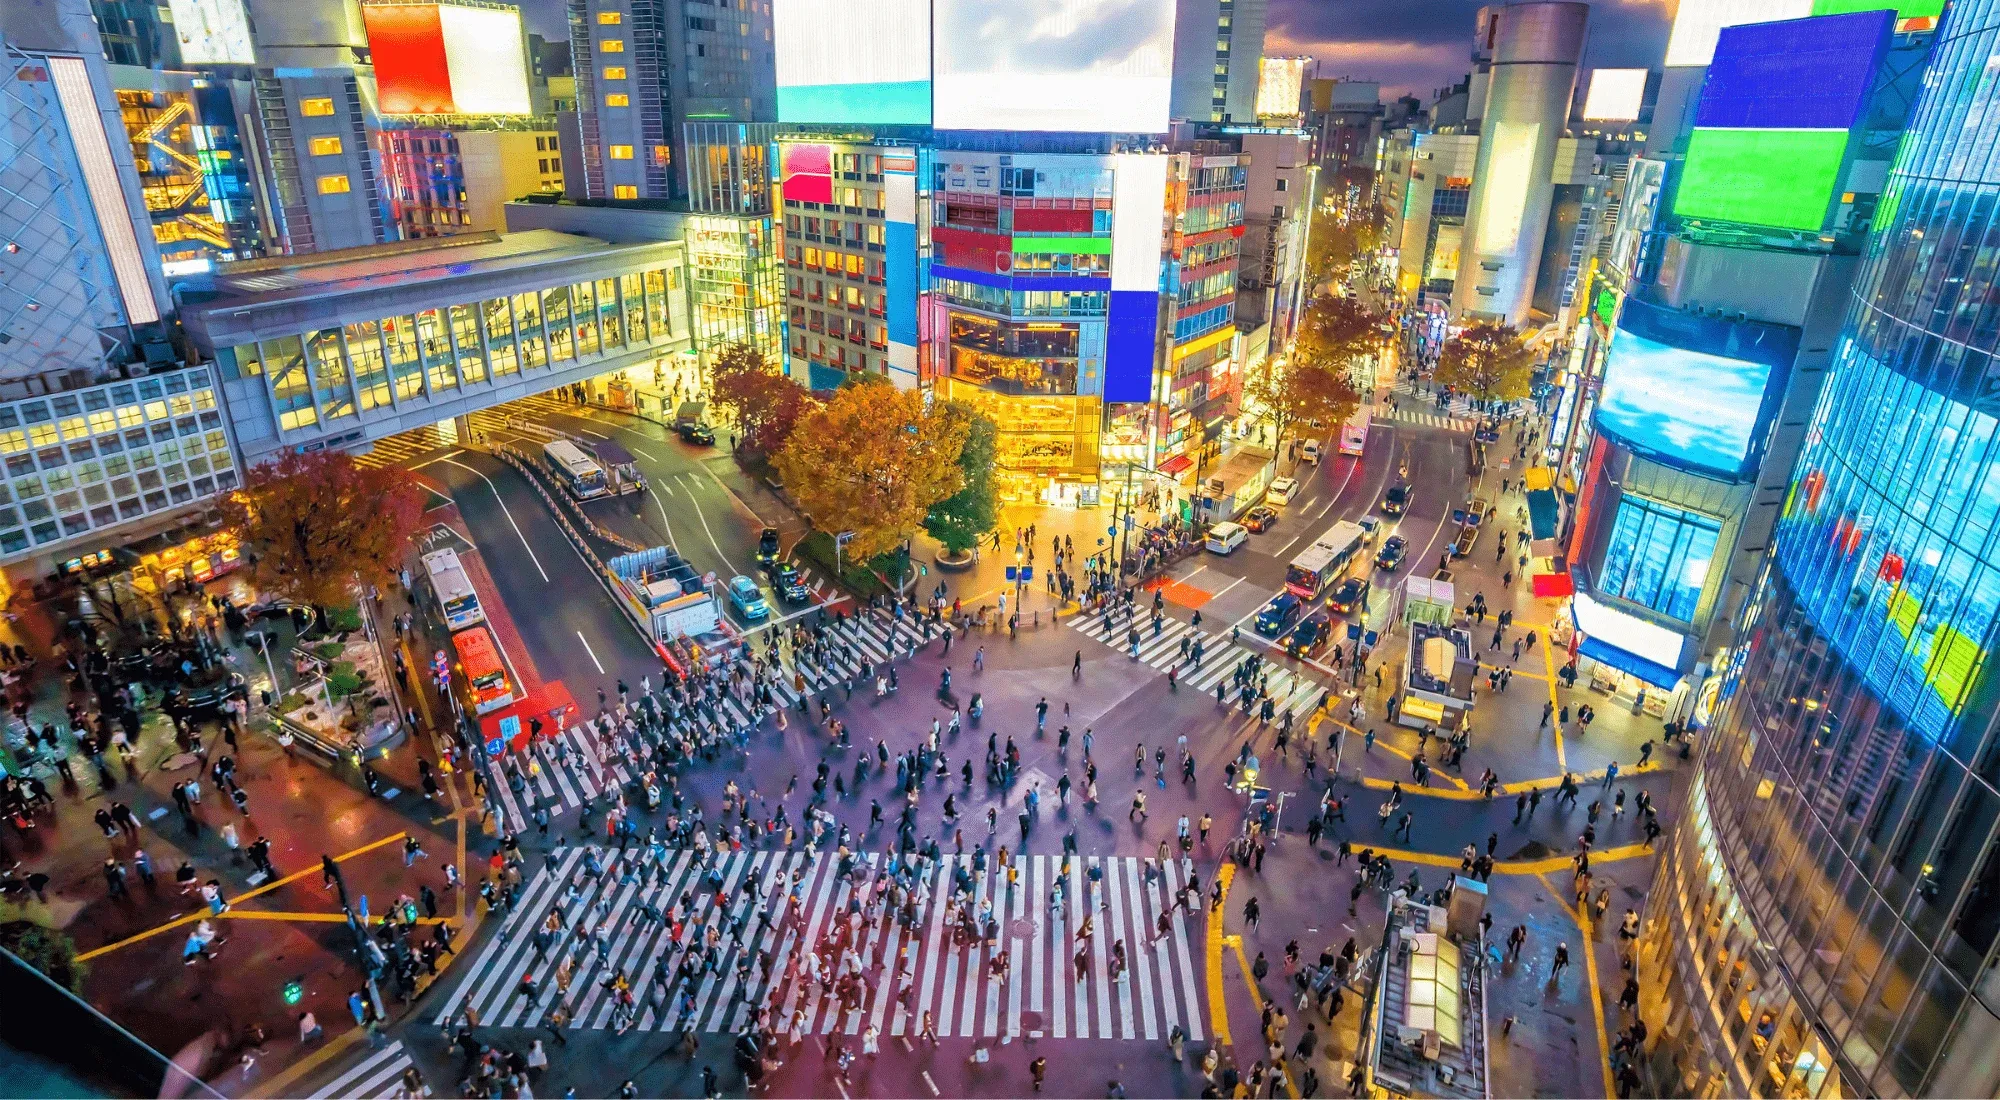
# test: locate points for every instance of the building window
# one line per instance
(316, 108)
(624, 191)
(1659, 556)
(619, 152)
(333, 185)
(618, 100)
(326, 146)
(614, 72)
(610, 18)
(612, 45)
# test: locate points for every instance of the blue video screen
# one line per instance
(1691, 391)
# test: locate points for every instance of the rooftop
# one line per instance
(1431, 1016)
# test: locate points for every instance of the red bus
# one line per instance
(484, 669)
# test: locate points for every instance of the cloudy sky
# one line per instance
(1417, 45)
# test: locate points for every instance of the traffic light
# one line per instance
(295, 990)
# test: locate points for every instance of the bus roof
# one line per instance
(446, 558)
(475, 643)
(1341, 536)
(609, 452)
(562, 450)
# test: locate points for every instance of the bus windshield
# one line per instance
(454, 592)
(567, 462)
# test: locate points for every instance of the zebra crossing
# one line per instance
(380, 1074)
(1056, 980)
(1292, 685)
(399, 449)
(568, 771)
(1426, 416)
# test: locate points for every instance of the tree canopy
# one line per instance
(1305, 397)
(764, 403)
(872, 461)
(313, 524)
(1336, 330)
(958, 520)
(1487, 361)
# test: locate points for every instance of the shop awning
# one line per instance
(1542, 513)
(1175, 466)
(1660, 676)
(1553, 586)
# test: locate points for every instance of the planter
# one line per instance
(946, 562)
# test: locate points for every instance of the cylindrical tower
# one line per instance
(1826, 917)
(1536, 48)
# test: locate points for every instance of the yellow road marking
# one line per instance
(1581, 915)
(1455, 781)
(1218, 1001)
(1547, 782)
(238, 900)
(1258, 998)
(1513, 866)
(1555, 713)
(314, 918)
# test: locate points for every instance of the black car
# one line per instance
(696, 431)
(1349, 595)
(1397, 500)
(1392, 552)
(767, 547)
(790, 583)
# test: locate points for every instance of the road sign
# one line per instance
(1027, 573)
(495, 747)
(1011, 571)
(843, 538)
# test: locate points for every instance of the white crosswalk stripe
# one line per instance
(1056, 981)
(569, 771)
(378, 1074)
(402, 447)
(1292, 684)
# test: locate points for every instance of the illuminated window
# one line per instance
(618, 100)
(1659, 556)
(316, 108)
(326, 146)
(610, 18)
(624, 191)
(621, 152)
(612, 45)
(333, 185)
(614, 72)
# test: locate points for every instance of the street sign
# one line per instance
(1027, 573)
(1011, 571)
(495, 747)
(1111, 530)
(843, 538)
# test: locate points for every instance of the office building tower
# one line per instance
(647, 68)
(316, 153)
(1822, 919)
(1535, 50)
(1217, 47)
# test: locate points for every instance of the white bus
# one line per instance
(453, 589)
(1325, 561)
(1354, 433)
(582, 477)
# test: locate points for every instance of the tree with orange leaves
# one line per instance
(872, 460)
(312, 525)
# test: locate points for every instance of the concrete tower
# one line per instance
(1536, 48)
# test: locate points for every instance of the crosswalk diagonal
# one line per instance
(1092, 961)
(378, 1074)
(1293, 684)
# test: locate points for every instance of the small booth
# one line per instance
(1437, 677)
(1427, 600)
(621, 470)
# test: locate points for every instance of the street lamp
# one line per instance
(1020, 579)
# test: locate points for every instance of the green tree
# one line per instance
(47, 950)
(1487, 361)
(872, 461)
(958, 520)
(764, 403)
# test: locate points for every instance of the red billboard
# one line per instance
(412, 75)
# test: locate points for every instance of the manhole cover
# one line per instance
(1031, 1021)
(1022, 928)
(1326, 854)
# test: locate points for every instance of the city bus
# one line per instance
(485, 669)
(567, 462)
(1325, 561)
(1354, 433)
(453, 590)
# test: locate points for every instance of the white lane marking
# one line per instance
(703, 516)
(508, 512)
(599, 435)
(640, 453)
(446, 457)
(1218, 592)
(592, 652)
(663, 516)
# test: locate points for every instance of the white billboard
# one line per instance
(1615, 95)
(485, 54)
(853, 61)
(213, 32)
(1699, 22)
(1280, 86)
(1089, 66)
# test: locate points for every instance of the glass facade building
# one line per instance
(1825, 920)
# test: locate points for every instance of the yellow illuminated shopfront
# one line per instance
(1046, 450)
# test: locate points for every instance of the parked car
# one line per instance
(695, 431)
(1278, 614)
(1349, 595)
(748, 600)
(790, 583)
(1392, 553)
(1281, 491)
(1261, 518)
(1224, 538)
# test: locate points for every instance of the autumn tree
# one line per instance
(764, 403)
(872, 460)
(1336, 330)
(314, 524)
(1487, 361)
(958, 520)
(1303, 397)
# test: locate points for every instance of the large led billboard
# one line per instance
(1085, 66)
(1785, 179)
(1615, 95)
(1280, 86)
(843, 62)
(1691, 391)
(448, 59)
(1697, 23)
(213, 32)
(1797, 74)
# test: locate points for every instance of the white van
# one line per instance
(1309, 452)
(1281, 492)
(1224, 538)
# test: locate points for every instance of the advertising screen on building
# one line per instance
(1615, 95)
(213, 32)
(448, 59)
(1691, 391)
(1697, 23)
(1912, 15)
(1796, 74)
(1616, 638)
(1088, 66)
(1280, 85)
(853, 61)
(1785, 179)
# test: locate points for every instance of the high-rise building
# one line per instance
(1823, 918)
(1217, 47)
(455, 180)
(647, 68)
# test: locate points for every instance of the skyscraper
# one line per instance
(1217, 45)
(1824, 920)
